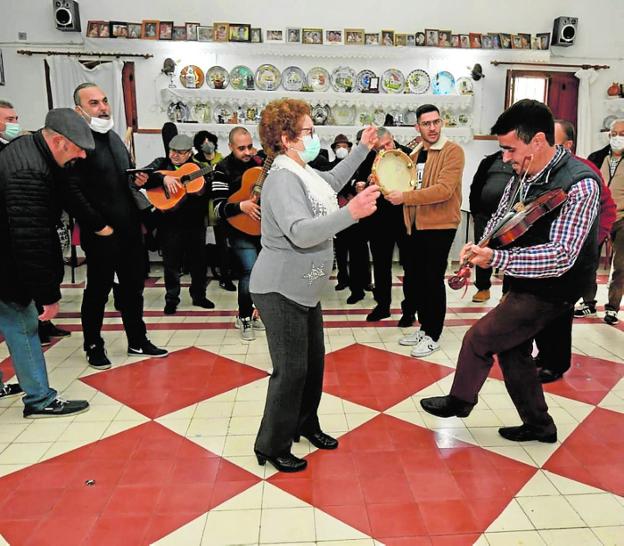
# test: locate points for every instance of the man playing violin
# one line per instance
(547, 268)
(181, 231)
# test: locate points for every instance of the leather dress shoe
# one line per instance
(227, 285)
(355, 297)
(203, 302)
(340, 286)
(446, 406)
(406, 320)
(319, 439)
(284, 463)
(526, 433)
(548, 376)
(378, 313)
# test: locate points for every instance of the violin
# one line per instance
(511, 227)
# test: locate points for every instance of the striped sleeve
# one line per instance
(220, 194)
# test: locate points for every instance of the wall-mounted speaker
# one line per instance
(66, 15)
(564, 31)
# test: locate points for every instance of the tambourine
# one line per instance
(394, 170)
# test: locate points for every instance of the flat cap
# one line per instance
(181, 143)
(70, 124)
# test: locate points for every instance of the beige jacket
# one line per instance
(616, 185)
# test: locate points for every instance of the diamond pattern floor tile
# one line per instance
(158, 386)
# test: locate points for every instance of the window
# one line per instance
(526, 85)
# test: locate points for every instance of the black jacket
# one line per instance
(31, 267)
(598, 157)
(489, 183)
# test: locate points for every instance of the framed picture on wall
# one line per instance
(220, 32)
(93, 29)
(486, 41)
(371, 38)
(475, 40)
(2, 81)
(431, 37)
(149, 29)
(293, 35)
(387, 38)
(179, 33)
(354, 36)
(314, 35)
(464, 41)
(525, 41)
(134, 30)
(205, 34)
(333, 37)
(411, 40)
(495, 39)
(165, 32)
(256, 35)
(454, 40)
(239, 32)
(104, 29)
(420, 38)
(400, 40)
(191, 31)
(118, 29)
(542, 40)
(274, 35)
(505, 41)
(444, 38)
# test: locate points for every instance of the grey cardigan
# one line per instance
(297, 253)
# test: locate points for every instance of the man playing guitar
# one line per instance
(227, 180)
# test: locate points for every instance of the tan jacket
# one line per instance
(616, 185)
(437, 204)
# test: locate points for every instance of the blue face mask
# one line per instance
(312, 147)
(11, 130)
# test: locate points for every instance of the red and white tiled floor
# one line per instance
(165, 454)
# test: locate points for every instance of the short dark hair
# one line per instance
(568, 129)
(82, 86)
(425, 109)
(201, 136)
(6, 104)
(526, 117)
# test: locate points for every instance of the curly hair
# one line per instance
(281, 117)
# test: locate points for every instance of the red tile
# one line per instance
(376, 490)
(408, 541)
(434, 485)
(119, 531)
(73, 529)
(375, 378)
(336, 492)
(82, 501)
(448, 516)
(29, 503)
(133, 500)
(165, 385)
(395, 520)
(454, 540)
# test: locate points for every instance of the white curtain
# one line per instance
(67, 73)
(584, 119)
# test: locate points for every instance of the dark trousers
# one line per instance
(295, 338)
(181, 244)
(222, 261)
(353, 265)
(106, 256)
(425, 264)
(482, 275)
(246, 249)
(554, 343)
(508, 331)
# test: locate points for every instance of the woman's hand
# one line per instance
(369, 137)
(364, 203)
(395, 197)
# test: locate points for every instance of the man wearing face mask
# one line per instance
(547, 268)
(227, 178)
(9, 127)
(609, 161)
(31, 174)
(100, 198)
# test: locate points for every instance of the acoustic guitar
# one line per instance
(251, 186)
(190, 175)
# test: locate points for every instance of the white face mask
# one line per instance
(617, 143)
(341, 153)
(100, 125)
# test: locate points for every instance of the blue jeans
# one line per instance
(19, 327)
(246, 249)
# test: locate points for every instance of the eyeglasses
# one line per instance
(179, 152)
(432, 123)
(616, 133)
(307, 131)
(243, 148)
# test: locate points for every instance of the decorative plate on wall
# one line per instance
(268, 77)
(443, 83)
(363, 80)
(192, 77)
(242, 78)
(293, 78)
(393, 81)
(418, 81)
(217, 77)
(464, 86)
(343, 79)
(178, 112)
(318, 79)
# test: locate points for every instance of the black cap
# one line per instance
(70, 124)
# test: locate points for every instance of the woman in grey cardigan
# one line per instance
(300, 216)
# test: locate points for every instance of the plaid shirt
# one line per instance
(567, 233)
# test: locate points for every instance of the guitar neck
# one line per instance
(265, 170)
(196, 174)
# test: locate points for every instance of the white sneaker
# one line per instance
(425, 347)
(412, 339)
(246, 328)
(258, 324)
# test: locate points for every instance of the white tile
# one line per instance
(515, 538)
(329, 528)
(569, 537)
(550, 512)
(287, 524)
(598, 510)
(610, 536)
(512, 518)
(190, 534)
(227, 527)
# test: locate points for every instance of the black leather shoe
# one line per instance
(406, 321)
(340, 286)
(548, 376)
(446, 406)
(170, 308)
(227, 285)
(355, 297)
(378, 313)
(283, 463)
(203, 302)
(319, 439)
(526, 433)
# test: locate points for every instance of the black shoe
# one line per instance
(446, 406)
(57, 408)
(50, 330)
(147, 348)
(170, 308)
(319, 439)
(96, 357)
(526, 433)
(548, 376)
(340, 286)
(10, 390)
(369, 287)
(355, 297)
(406, 320)
(203, 302)
(44, 339)
(283, 463)
(378, 313)
(228, 285)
